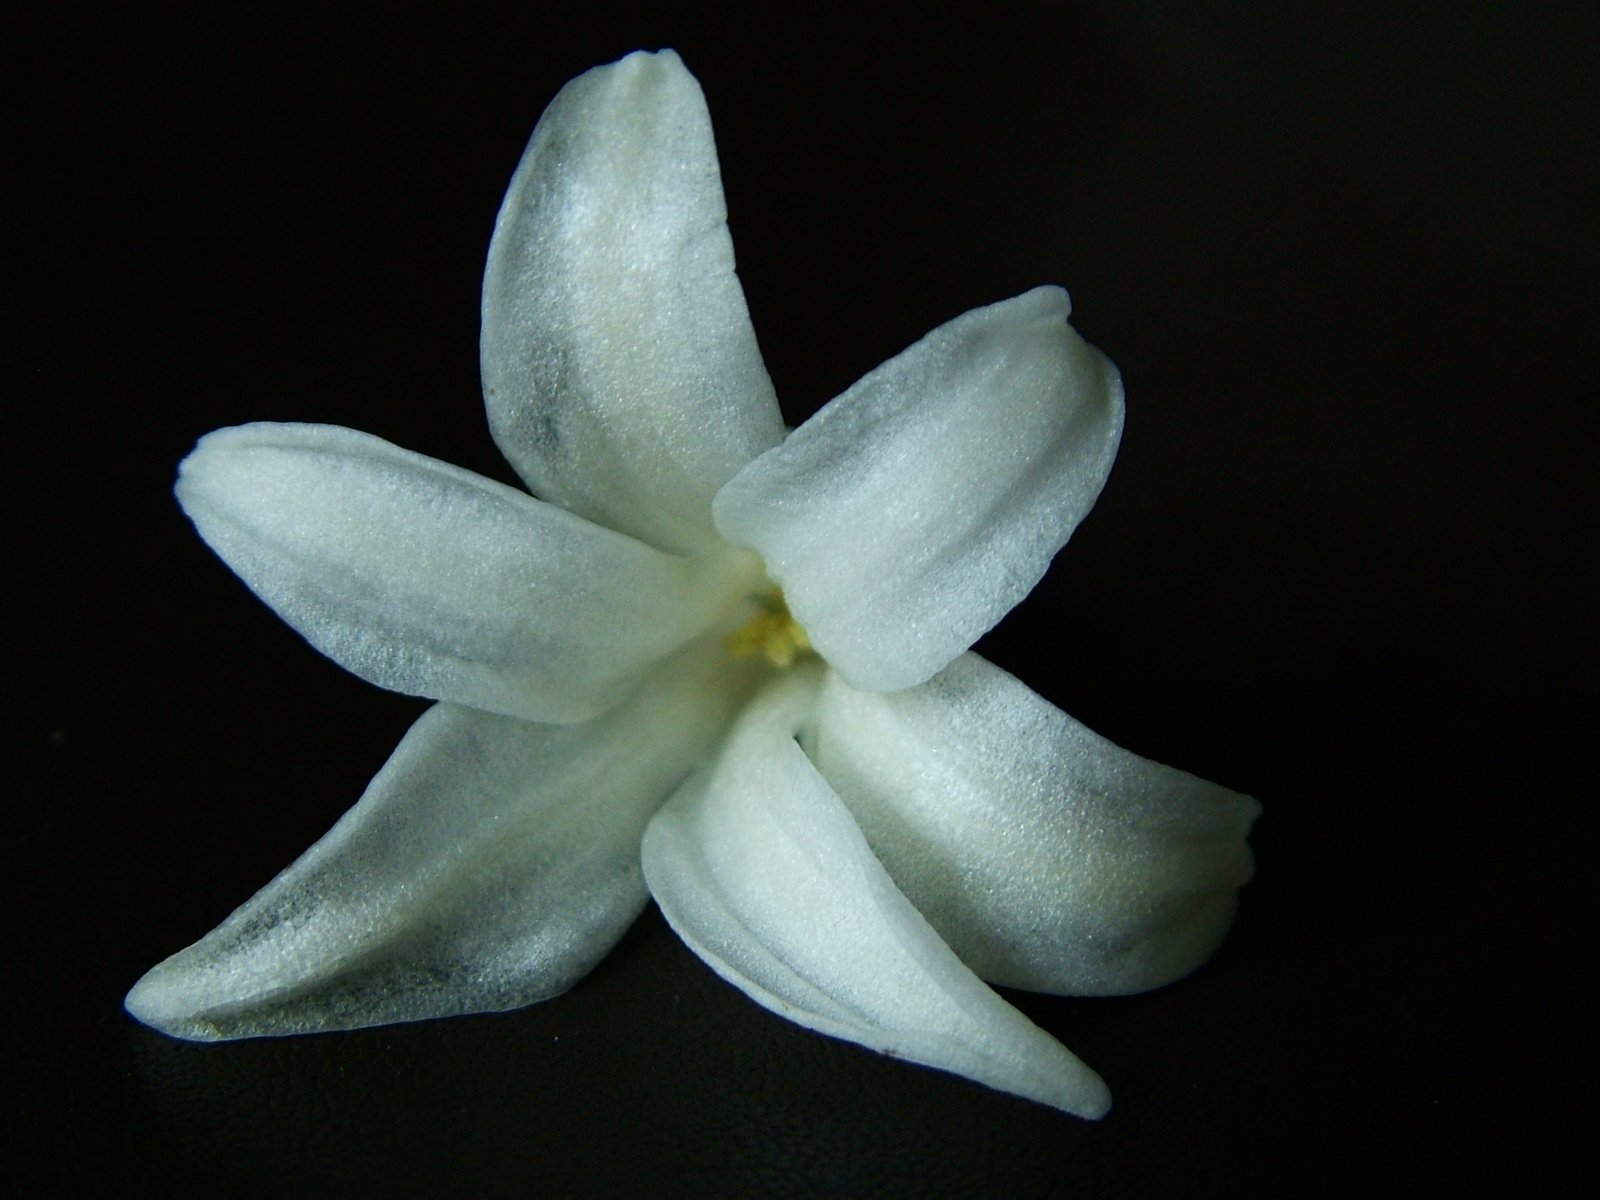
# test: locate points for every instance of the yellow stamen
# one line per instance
(772, 633)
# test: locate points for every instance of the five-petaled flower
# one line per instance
(711, 663)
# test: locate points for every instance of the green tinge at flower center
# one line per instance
(772, 633)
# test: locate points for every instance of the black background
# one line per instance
(1345, 259)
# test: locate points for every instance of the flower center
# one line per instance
(772, 633)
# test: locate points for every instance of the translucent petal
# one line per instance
(908, 516)
(428, 579)
(1047, 857)
(620, 370)
(490, 864)
(760, 868)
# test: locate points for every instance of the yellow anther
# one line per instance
(772, 633)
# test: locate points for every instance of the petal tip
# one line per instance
(1091, 1102)
(647, 68)
(666, 58)
(1048, 300)
(197, 462)
(212, 467)
(1067, 1084)
(159, 1001)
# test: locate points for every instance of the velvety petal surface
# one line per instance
(490, 864)
(761, 870)
(1046, 856)
(621, 373)
(428, 579)
(912, 512)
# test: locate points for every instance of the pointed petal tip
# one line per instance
(159, 1001)
(665, 58)
(1090, 1099)
(1067, 1085)
(140, 1001)
(642, 68)
(193, 468)
(1054, 1077)
(220, 463)
(1049, 300)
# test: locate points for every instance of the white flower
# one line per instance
(856, 824)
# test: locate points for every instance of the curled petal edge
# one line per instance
(761, 870)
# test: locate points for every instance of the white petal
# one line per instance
(759, 867)
(490, 864)
(428, 579)
(1046, 856)
(622, 376)
(910, 514)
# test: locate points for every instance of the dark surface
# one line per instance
(1346, 263)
